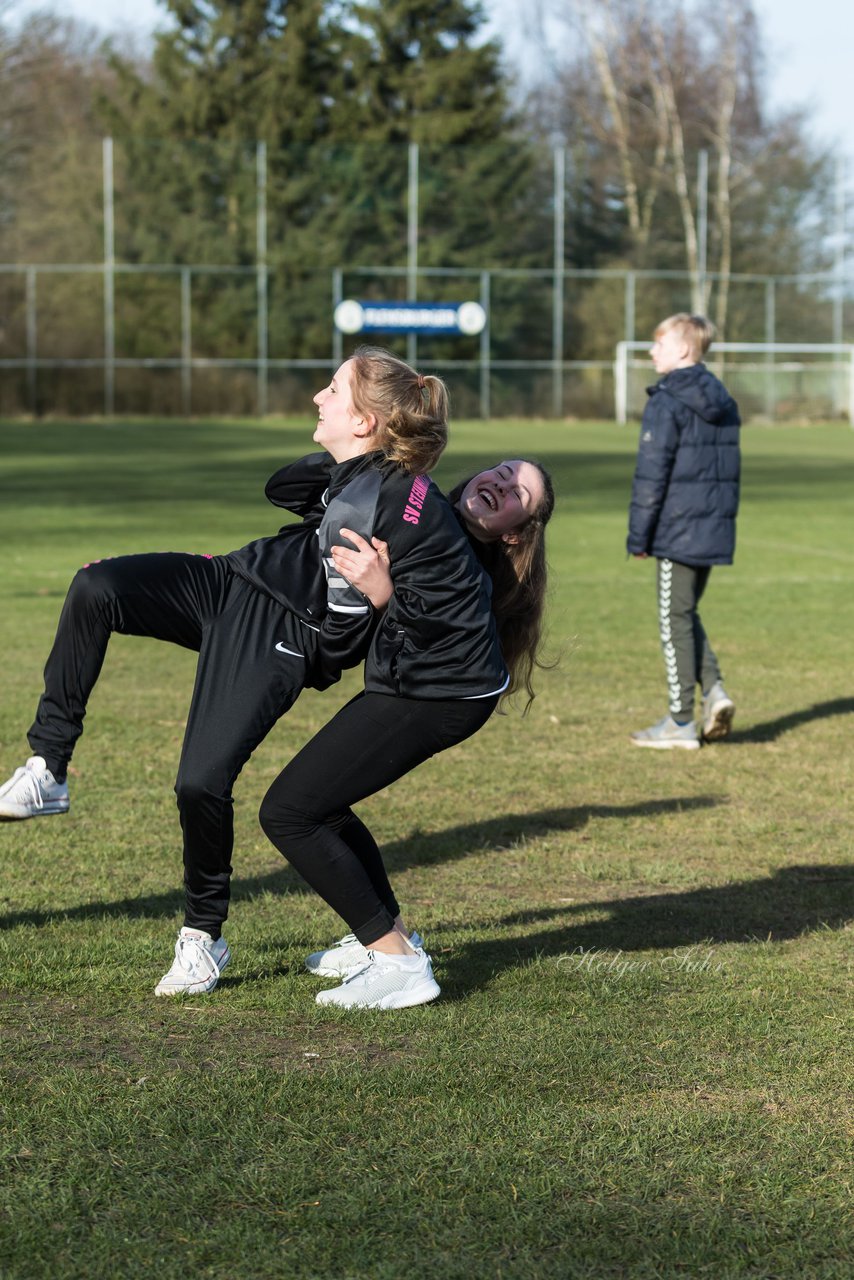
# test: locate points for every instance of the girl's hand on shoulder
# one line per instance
(366, 567)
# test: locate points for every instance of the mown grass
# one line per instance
(640, 1064)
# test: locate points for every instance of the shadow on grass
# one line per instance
(417, 849)
(793, 901)
(774, 729)
(509, 829)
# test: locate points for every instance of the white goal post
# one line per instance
(759, 377)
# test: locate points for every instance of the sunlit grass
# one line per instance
(640, 1065)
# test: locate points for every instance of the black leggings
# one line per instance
(254, 657)
(370, 743)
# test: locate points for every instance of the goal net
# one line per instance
(772, 381)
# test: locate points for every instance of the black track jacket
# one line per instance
(437, 638)
(287, 564)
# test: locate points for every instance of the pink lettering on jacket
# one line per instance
(415, 501)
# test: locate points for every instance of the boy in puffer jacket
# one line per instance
(683, 509)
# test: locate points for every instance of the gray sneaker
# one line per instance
(718, 712)
(32, 792)
(666, 735)
(345, 957)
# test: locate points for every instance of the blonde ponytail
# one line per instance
(411, 408)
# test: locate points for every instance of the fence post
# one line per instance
(412, 245)
(186, 343)
(485, 407)
(32, 341)
(770, 331)
(839, 291)
(557, 290)
(337, 336)
(109, 282)
(629, 307)
(261, 274)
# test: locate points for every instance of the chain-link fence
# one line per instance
(158, 278)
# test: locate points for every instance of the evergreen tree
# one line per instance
(227, 75)
(337, 92)
(421, 74)
(248, 69)
(421, 77)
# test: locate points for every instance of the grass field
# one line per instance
(641, 1062)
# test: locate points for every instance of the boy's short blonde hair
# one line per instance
(697, 331)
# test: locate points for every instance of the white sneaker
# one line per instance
(197, 965)
(385, 982)
(345, 957)
(718, 712)
(32, 792)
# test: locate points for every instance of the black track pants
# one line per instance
(689, 659)
(253, 660)
(370, 743)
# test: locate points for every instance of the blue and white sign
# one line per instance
(468, 318)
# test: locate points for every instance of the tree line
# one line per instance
(337, 89)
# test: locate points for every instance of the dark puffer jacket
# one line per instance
(685, 488)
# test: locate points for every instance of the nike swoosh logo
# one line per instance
(282, 649)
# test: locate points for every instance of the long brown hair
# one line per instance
(519, 575)
(411, 409)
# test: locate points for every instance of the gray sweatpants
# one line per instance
(689, 659)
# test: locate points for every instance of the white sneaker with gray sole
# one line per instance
(32, 792)
(718, 712)
(197, 966)
(345, 957)
(667, 735)
(385, 982)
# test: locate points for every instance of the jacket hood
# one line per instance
(700, 391)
